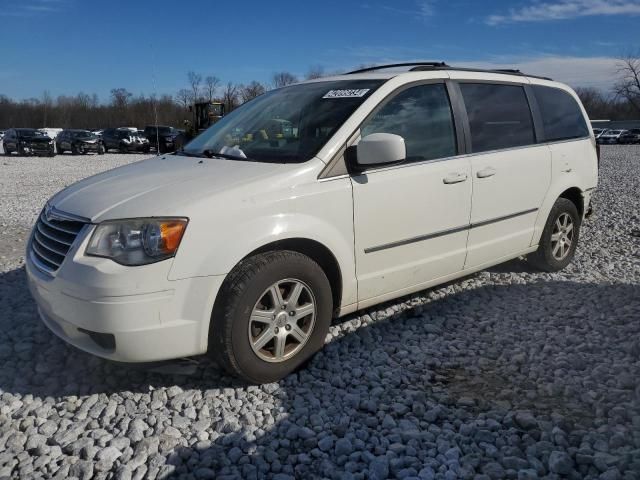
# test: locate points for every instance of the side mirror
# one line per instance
(377, 149)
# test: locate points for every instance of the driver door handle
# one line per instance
(454, 178)
(486, 172)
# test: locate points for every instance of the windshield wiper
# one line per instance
(211, 154)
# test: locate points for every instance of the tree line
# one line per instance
(125, 109)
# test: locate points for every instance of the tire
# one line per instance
(249, 288)
(122, 148)
(80, 150)
(563, 225)
(101, 150)
(59, 149)
(7, 152)
(74, 149)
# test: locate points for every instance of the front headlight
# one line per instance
(137, 241)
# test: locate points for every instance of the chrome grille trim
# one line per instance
(42, 232)
(53, 236)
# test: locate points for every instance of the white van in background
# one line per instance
(246, 243)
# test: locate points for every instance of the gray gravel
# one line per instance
(506, 374)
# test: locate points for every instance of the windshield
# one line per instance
(29, 132)
(83, 134)
(288, 125)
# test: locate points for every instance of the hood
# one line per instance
(160, 186)
(35, 139)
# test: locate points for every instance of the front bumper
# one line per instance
(126, 314)
(38, 148)
(137, 147)
(91, 147)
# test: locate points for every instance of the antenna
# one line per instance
(155, 98)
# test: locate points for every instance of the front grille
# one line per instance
(52, 239)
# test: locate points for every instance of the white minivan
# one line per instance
(310, 202)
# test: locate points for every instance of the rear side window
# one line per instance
(422, 116)
(562, 118)
(499, 116)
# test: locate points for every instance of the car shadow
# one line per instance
(395, 379)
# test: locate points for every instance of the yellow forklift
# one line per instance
(204, 114)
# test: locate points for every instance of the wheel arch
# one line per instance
(319, 253)
(574, 194)
(569, 191)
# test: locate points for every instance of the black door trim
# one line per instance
(450, 231)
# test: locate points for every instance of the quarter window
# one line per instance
(562, 118)
(422, 116)
(499, 116)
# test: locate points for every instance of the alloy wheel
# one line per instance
(562, 236)
(282, 320)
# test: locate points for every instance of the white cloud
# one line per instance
(597, 72)
(421, 9)
(565, 9)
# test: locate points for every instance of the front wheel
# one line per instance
(101, 150)
(559, 238)
(272, 314)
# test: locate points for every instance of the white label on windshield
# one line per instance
(348, 93)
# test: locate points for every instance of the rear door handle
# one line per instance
(486, 172)
(454, 178)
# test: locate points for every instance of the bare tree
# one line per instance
(184, 97)
(251, 91)
(119, 97)
(628, 85)
(47, 103)
(282, 79)
(316, 71)
(211, 85)
(195, 79)
(230, 96)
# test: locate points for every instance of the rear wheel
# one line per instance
(272, 315)
(7, 151)
(59, 149)
(122, 148)
(559, 238)
(101, 149)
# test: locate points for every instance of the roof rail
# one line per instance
(426, 66)
(506, 71)
(394, 65)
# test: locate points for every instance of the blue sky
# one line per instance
(67, 46)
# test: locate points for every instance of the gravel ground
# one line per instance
(509, 373)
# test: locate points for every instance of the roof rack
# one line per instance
(394, 65)
(426, 66)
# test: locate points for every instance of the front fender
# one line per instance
(214, 243)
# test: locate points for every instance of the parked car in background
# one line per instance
(124, 140)
(27, 141)
(97, 132)
(79, 142)
(161, 137)
(247, 243)
(52, 133)
(630, 137)
(610, 137)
